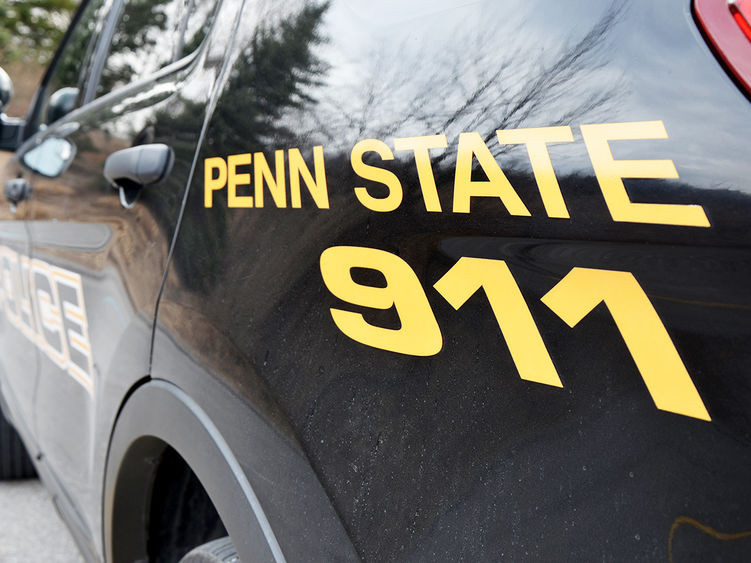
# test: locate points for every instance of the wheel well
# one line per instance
(161, 510)
(146, 485)
(181, 515)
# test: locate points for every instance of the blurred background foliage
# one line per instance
(30, 31)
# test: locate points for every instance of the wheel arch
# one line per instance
(159, 415)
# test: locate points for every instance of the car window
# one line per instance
(151, 34)
(63, 90)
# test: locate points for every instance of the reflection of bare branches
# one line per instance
(554, 81)
(485, 81)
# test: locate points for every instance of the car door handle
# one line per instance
(16, 191)
(131, 169)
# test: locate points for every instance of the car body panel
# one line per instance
(526, 337)
(19, 355)
(454, 455)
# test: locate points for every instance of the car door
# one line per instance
(100, 245)
(491, 261)
(31, 306)
(18, 354)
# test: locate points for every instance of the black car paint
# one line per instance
(451, 456)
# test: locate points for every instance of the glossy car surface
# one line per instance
(434, 281)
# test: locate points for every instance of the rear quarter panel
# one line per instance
(462, 451)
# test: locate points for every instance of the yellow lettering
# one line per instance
(75, 325)
(262, 172)
(316, 186)
(536, 139)
(654, 354)
(497, 185)
(610, 174)
(234, 179)
(49, 315)
(418, 334)
(514, 319)
(421, 147)
(368, 172)
(211, 184)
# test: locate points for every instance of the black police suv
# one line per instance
(393, 281)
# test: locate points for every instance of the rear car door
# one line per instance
(100, 245)
(491, 261)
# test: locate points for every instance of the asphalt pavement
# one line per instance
(30, 529)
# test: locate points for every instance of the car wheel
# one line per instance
(217, 551)
(14, 460)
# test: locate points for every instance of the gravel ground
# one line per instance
(30, 529)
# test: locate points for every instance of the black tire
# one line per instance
(14, 460)
(217, 551)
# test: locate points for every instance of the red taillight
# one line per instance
(741, 10)
(727, 26)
